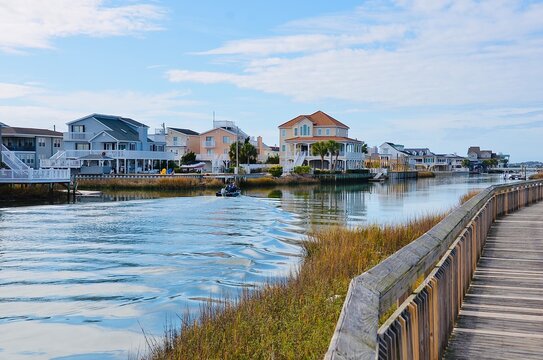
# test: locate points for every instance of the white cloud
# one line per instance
(12, 91)
(47, 108)
(34, 23)
(408, 53)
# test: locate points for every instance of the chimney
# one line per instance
(260, 145)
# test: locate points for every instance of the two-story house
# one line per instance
(297, 136)
(31, 145)
(100, 143)
(215, 145)
(393, 156)
(181, 141)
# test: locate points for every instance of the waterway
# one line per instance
(88, 280)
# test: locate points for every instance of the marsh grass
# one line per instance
(425, 174)
(160, 183)
(295, 317)
(31, 192)
(269, 181)
(536, 176)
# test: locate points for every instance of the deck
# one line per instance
(502, 314)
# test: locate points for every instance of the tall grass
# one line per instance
(30, 193)
(159, 183)
(273, 181)
(425, 174)
(293, 318)
(536, 176)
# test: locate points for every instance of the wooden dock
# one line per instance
(502, 313)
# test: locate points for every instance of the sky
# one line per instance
(424, 73)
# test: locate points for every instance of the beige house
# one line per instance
(215, 144)
(297, 136)
(181, 141)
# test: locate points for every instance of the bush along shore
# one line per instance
(295, 317)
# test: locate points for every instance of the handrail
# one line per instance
(454, 245)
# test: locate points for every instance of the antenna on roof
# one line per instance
(213, 118)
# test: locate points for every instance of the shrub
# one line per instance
(274, 159)
(276, 171)
(301, 170)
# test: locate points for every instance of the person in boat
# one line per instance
(231, 188)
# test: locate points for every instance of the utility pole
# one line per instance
(237, 150)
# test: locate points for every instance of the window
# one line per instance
(132, 146)
(57, 143)
(78, 128)
(283, 132)
(327, 131)
(295, 131)
(210, 151)
(80, 146)
(283, 148)
(209, 138)
(319, 132)
(226, 140)
(41, 142)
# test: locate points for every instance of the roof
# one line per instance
(395, 146)
(322, 138)
(119, 130)
(474, 149)
(30, 132)
(184, 131)
(218, 129)
(95, 157)
(318, 118)
(100, 117)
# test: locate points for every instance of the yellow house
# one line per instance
(297, 136)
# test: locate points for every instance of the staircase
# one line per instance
(12, 161)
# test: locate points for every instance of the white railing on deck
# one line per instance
(122, 154)
(71, 136)
(34, 176)
(12, 161)
(60, 163)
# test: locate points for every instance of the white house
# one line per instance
(100, 143)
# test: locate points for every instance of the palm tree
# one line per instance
(320, 149)
(333, 148)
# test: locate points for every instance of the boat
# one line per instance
(229, 191)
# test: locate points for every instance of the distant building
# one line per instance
(32, 145)
(100, 143)
(477, 157)
(181, 141)
(297, 136)
(393, 156)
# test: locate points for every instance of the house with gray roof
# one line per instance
(181, 141)
(31, 145)
(100, 143)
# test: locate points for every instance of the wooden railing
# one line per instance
(445, 258)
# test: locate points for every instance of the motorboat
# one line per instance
(229, 191)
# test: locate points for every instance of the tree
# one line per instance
(274, 159)
(333, 148)
(320, 148)
(364, 148)
(466, 163)
(188, 158)
(247, 153)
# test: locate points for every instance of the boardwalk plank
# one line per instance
(502, 314)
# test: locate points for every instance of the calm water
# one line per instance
(82, 281)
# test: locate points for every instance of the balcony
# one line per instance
(209, 144)
(78, 136)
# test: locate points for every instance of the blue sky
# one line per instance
(436, 73)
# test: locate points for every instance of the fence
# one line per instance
(445, 257)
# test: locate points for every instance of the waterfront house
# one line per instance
(31, 145)
(297, 136)
(393, 156)
(215, 145)
(477, 156)
(181, 141)
(100, 143)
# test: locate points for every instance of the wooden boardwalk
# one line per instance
(502, 314)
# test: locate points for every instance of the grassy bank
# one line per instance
(29, 194)
(536, 176)
(425, 174)
(170, 183)
(278, 181)
(294, 318)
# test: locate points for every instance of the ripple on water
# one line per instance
(104, 270)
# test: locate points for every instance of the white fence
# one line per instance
(34, 176)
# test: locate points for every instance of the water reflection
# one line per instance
(82, 280)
